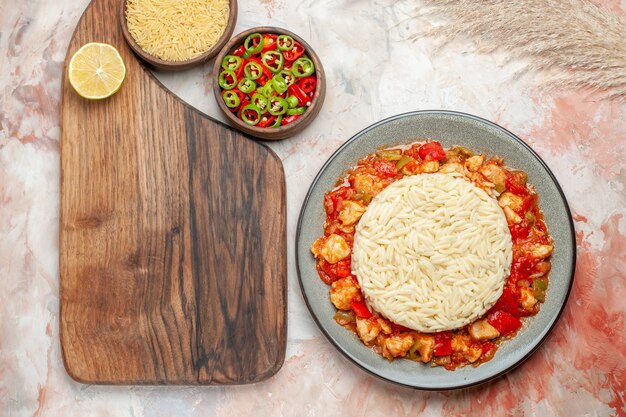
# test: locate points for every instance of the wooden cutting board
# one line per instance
(172, 238)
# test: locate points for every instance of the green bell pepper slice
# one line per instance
(251, 114)
(278, 106)
(273, 60)
(231, 99)
(253, 43)
(287, 76)
(246, 85)
(231, 62)
(296, 110)
(260, 102)
(253, 70)
(292, 101)
(279, 83)
(227, 79)
(285, 42)
(278, 121)
(303, 67)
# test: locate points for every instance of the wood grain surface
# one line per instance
(172, 237)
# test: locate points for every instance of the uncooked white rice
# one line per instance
(432, 252)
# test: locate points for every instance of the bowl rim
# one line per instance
(282, 131)
(570, 222)
(179, 65)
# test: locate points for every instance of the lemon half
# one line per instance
(96, 71)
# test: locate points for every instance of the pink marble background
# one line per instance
(373, 72)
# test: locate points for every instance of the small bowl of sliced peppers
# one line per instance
(269, 82)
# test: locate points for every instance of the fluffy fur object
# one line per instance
(576, 42)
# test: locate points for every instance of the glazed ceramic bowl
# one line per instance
(281, 132)
(158, 63)
(480, 136)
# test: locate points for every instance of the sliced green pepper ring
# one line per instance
(251, 115)
(296, 110)
(253, 70)
(260, 102)
(253, 43)
(277, 121)
(231, 99)
(278, 106)
(246, 85)
(280, 85)
(273, 60)
(303, 67)
(227, 79)
(268, 89)
(292, 101)
(231, 62)
(287, 76)
(285, 43)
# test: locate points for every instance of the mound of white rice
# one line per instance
(432, 252)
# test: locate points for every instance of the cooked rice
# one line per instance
(432, 252)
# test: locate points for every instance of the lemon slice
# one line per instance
(96, 71)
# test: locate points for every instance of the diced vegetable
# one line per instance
(504, 322)
(385, 168)
(432, 151)
(361, 310)
(539, 286)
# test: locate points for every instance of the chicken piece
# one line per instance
(511, 216)
(344, 292)
(385, 326)
(481, 182)
(541, 251)
(425, 346)
(463, 344)
(333, 248)
(474, 163)
(452, 167)
(367, 329)
(365, 183)
(527, 300)
(397, 345)
(495, 174)
(430, 166)
(473, 353)
(481, 330)
(351, 212)
(511, 200)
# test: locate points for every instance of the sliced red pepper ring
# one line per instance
(239, 51)
(308, 84)
(297, 92)
(266, 121)
(361, 310)
(269, 42)
(296, 52)
(289, 119)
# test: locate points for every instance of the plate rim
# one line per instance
(489, 123)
